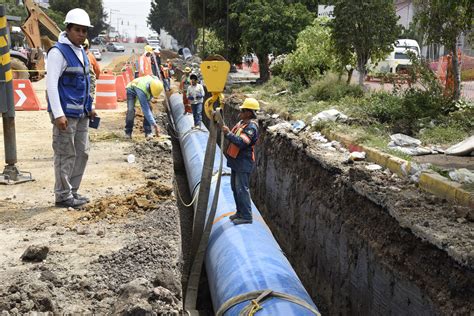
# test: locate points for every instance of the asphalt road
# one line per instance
(107, 56)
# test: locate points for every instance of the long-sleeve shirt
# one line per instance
(195, 94)
(55, 68)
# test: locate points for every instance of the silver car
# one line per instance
(96, 53)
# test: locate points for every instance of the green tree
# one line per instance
(313, 54)
(366, 28)
(443, 22)
(13, 9)
(95, 9)
(272, 27)
(214, 45)
(173, 16)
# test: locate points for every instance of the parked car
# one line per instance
(115, 47)
(96, 53)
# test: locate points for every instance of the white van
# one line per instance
(398, 61)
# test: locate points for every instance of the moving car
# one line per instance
(115, 47)
(96, 53)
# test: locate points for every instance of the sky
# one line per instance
(130, 15)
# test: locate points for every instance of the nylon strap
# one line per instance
(200, 251)
(261, 296)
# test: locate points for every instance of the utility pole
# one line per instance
(110, 22)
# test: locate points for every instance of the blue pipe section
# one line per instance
(243, 258)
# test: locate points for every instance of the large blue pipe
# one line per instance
(239, 259)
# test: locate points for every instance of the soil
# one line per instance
(120, 254)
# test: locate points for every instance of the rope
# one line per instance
(180, 197)
(256, 301)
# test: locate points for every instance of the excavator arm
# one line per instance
(38, 21)
(41, 33)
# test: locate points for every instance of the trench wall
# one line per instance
(351, 255)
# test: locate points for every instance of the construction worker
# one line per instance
(183, 87)
(70, 108)
(94, 68)
(143, 89)
(165, 74)
(241, 158)
(155, 61)
(144, 65)
(195, 94)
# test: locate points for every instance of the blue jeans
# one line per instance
(197, 113)
(132, 94)
(239, 182)
(167, 84)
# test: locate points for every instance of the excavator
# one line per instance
(41, 32)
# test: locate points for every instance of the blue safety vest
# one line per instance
(74, 84)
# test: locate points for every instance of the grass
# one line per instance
(369, 113)
(443, 135)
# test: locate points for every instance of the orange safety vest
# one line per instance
(166, 73)
(233, 150)
(145, 61)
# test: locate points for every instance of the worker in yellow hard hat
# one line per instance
(144, 89)
(241, 158)
(183, 88)
(144, 66)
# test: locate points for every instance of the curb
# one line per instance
(429, 181)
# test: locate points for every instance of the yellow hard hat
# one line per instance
(187, 69)
(86, 43)
(250, 104)
(148, 49)
(156, 87)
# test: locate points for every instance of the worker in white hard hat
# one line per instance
(70, 108)
(145, 62)
(241, 158)
(144, 89)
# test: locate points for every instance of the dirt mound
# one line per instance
(142, 200)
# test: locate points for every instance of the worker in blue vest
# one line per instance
(70, 108)
(241, 158)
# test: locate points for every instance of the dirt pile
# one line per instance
(120, 255)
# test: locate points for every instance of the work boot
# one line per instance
(239, 221)
(128, 135)
(149, 136)
(77, 196)
(72, 202)
(234, 216)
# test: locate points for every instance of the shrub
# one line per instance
(313, 55)
(331, 90)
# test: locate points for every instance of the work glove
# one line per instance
(190, 98)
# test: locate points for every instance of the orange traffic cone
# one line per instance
(120, 88)
(24, 96)
(106, 94)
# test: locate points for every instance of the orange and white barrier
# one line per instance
(24, 96)
(255, 68)
(106, 93)
(120, 88)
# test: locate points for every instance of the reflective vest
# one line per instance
(74, 84)
(165, 71)
(143, 83)
(146, 63)
(233, 150)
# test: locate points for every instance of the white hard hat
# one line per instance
(78, 16)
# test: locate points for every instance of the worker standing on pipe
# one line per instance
(183, 87)
(70, 107)
(143, 89)
(195, 94)
(241, 158)
(145, 62)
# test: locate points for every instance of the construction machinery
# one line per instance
(40, 33)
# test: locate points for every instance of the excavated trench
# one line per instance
(353, 236)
